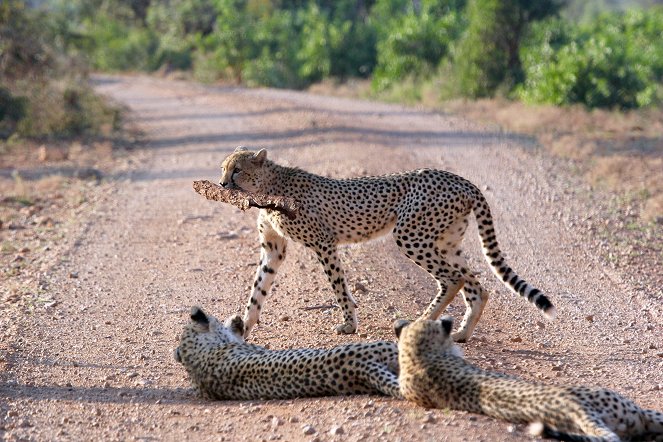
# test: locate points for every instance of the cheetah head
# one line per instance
(205, 332)
(430, 337)
(243, 169)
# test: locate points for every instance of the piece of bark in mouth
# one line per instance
(245, 200)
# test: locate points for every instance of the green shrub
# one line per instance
(612, 62)
(487, 57)
(43, 91)
(414, 43)
(271, 56)
(12, 110)
(119, 47)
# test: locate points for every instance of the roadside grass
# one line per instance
(614, 151)
(48, 175)
(617, 152)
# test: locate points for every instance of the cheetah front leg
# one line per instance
(332, 265)
(382, 379)
(272, 254)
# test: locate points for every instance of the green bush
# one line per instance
(120, 47)
(43, 91)
(612, 62)
(271, 58)
(12, 110)
(487, 56)
(644, 31)
(414, 43)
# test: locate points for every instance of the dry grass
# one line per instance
(616, 151)
(621, 152)
(350, 89)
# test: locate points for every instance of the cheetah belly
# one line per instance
(366, 234)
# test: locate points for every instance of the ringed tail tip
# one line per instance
(550, 312)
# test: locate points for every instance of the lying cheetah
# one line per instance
(222, 366)
(433, 374)
(426, 210)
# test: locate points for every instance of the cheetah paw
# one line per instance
(346, 328)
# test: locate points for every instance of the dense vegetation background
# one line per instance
(599, 53)
(44, 91)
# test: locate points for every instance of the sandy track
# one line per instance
(98, 364)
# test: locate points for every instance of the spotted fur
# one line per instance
(426, 210)
(222, 366)
(434, 375)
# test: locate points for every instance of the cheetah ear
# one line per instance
(240, 149)
(236, 325)
(399, 325)
(260, 157)
(199, 317)
(447, 323)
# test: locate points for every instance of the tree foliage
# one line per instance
(43, 90)
(471, 48)
(414, 42)
(488, 54)
(616, 61)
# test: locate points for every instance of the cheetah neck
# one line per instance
(277, 178)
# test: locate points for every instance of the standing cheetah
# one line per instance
(426, 211)
(222, 366)
(433, 374)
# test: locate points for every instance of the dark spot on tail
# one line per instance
(543, 303)
(533, 293)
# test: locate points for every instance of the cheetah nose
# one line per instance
(224, 185)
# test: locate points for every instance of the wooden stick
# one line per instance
(245, 200)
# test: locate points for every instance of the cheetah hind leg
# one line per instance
(474, 296)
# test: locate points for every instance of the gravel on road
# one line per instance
(98, 364)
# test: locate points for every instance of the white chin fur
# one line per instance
(457, 351)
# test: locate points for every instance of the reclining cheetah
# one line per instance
(433, 374)
(222, 366)
(426, 210)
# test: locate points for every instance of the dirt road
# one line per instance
(98, 364)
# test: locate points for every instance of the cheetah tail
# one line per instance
(572, 437)
(493, 254)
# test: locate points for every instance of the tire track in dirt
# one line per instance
(98, 365)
